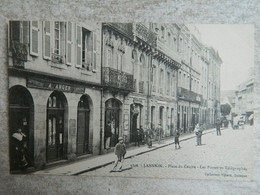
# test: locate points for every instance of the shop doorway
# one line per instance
(112, 120)
(83, 126)
(135, 120)
(21, 116)
(56, 143)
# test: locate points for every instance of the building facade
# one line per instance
(72, 83)
(54, 89)
(243, 99)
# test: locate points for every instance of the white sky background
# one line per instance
(235, 44)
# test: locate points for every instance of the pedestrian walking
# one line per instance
(198, 132)
(148, 137)
(218, 128)
(159, 133)
(120, 151)
(176, 139)
(108, 134)
(141, 134)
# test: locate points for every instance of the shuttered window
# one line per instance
(69, 44)
(79, 46)
(34, 38)
(47, 40)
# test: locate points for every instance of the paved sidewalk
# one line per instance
(95, 162)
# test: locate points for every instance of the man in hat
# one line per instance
(120, 151)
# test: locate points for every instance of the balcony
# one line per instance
(187, 95)
(117, 79)
(125, 29)
(20, 53)
(146, 34)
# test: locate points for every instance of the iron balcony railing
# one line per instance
(189, 95)
(19, 52)
(117, 79)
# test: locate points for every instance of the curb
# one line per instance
(133, 155)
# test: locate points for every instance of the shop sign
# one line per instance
(51, 85)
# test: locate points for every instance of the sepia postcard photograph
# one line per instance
(146, 100)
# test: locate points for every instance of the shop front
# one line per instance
(21, 116)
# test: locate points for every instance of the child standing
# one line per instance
(120, 151)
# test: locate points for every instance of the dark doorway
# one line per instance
(83, 126)
(185, 123)
(21, 114)
(112, 116)
(136, 120)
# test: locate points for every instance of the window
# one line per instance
(54, 41)
(119, 61)
(142, 64)
(175, 43)
(109, 57)
(163, 32)
(168, 83)
(181, 45)
(57, 38)
(169, 38)
(86, 48)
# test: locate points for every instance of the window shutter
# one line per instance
(79, 46)
(94, 66)
(34, 38)
(47, 40)
(69, 44)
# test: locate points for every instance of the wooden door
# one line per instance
(55, 131)
(83, 132)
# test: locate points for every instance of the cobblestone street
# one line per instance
(229, 156)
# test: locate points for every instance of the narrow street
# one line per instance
(229, 156)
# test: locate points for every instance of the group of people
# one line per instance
(148, 135)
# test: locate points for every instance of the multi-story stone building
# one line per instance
(213, 85)
(69, 84)
(54, 88)
(152, 98)
(198, 82)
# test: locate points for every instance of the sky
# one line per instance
(235, 44)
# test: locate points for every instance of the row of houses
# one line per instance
(67, 81)
(241, 100)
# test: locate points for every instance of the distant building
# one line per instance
(244, 98)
